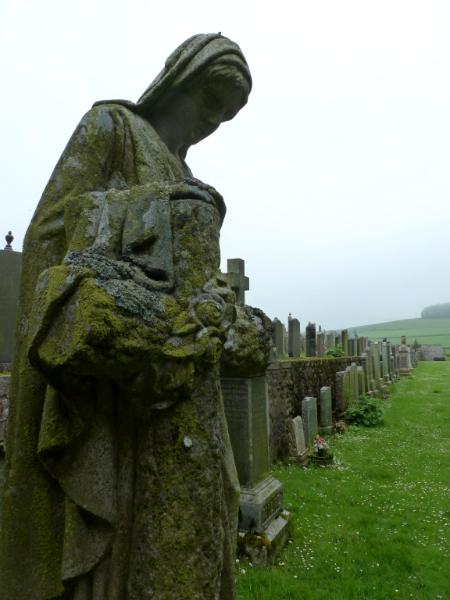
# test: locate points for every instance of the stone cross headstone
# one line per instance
(325, 411)
(309, 418)
(310, 339)
(237, 279)
(298, 451)
(293, 336)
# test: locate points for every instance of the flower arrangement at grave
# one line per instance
(321, 451)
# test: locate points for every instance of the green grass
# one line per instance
(426, 331)
(376, 525)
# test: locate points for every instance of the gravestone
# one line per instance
(261, 501)
(10, 268)
(237, 279)
(330, 340)
(298, 452)
(325, 411)
(354, 382)
(385, 363)
(404, 354)
(362, 388)
(4, 395)
(309, 418)
(375, 351)
(278, 337)
(344, 341)
(310, 339)
(351, 345)
(320, 343)
(361, 346)
(293, 337)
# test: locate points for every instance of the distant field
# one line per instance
(426, 331)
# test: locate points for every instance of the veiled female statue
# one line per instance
(120, 479)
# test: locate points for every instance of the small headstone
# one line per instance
(404, 354)
(309, 418)
(362, 388)
(325, 411)
(298, 451)
(351, 347)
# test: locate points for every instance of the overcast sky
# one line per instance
(336, 174)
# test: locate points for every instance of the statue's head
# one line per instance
(205, 82)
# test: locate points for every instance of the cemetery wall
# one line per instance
(288, 383)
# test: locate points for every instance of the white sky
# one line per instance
(336, 174)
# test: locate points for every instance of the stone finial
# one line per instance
(9, 238)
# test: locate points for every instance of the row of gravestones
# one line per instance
(263, 522)
(290, 342)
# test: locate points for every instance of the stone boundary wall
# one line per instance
(288, 382)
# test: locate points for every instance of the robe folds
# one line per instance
(120, 482)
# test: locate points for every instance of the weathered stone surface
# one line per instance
(115, 392)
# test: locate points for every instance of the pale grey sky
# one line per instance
(336, 174)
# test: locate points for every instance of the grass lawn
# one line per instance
(425, 331)
(376, 525)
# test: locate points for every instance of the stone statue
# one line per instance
(120, 481)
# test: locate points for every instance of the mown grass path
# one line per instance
(376, 525)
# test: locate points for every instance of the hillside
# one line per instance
(426, 331)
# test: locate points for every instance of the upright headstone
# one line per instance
(351, 345)
(385, 362)
(298, 451)
(320, 343)
(310, 335)
(355, 383)
(404, 354)
(278, 337)
(330, 341)
(309, 418)
(10, 267)
(293, 336)
(261, 501)
(237, 279)
(344, 341)
(362, 388)
(325, 411)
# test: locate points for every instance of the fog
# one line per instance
(336, 174)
